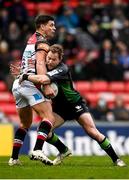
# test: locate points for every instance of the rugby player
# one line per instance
(28, 96)
(68, 104)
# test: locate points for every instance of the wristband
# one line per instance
(25, 77)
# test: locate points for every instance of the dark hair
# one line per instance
(56, 48)
(42, 19)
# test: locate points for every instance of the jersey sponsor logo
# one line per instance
(60, 70)
(37, 97)
(53, 72)
(78, 108)
(27, 54)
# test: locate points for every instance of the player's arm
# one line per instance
(42, 49)
(41, 52)
(58, 74)
(37, 79)
(51, 76)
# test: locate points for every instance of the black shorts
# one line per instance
(71, 111)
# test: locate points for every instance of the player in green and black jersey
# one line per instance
(68, 104)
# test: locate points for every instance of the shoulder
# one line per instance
(63, 67)
(32, 39)
(42, 46)
(41, 43)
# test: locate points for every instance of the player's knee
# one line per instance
(50, 117)
(25, 125)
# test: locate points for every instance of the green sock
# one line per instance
(105, 144)
(107, 147)
(55, 141)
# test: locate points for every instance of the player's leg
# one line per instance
(44, 110)
(86, 121)
(52, 137)
(55, 141)
(25, 115)
(27, 94)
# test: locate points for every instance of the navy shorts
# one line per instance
(71, 111)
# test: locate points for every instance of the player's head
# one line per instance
(46, 25)
(54, 56)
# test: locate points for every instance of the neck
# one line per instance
(42, 33)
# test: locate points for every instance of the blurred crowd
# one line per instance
(102, 112)
(94, 37)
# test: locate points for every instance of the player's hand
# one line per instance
(23, 77)
(48, 91)
(15, 67)
(14, 70)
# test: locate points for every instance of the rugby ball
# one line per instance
(54, 87)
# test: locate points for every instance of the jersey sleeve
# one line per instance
(59, 73)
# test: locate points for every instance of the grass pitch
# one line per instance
(93, 167)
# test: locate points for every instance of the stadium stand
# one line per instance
(92, 91)
(99, 86)
(91, 74)
(2, 86)
(116, 87)
(7, 103)
(83, 86)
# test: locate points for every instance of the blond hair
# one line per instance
(56, 48)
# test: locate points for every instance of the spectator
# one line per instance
(124, 33)
(85, 41)
(78, 66)
(5, 58)
(105, 59)
(68, 19)
(60, 35)
(85, 14)
(123, 55)
(14, 36)
(4, 21)
(101, 111)
(108, 63)
(70, 45)
(95, 32)
(119, 111)
(18, 13)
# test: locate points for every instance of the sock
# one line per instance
(55, 141)
(107, 147)
(43, 132)
(18, 141)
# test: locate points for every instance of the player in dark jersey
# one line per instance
(28, 96)
(69, 104)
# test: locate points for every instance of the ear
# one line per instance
(42, 26)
